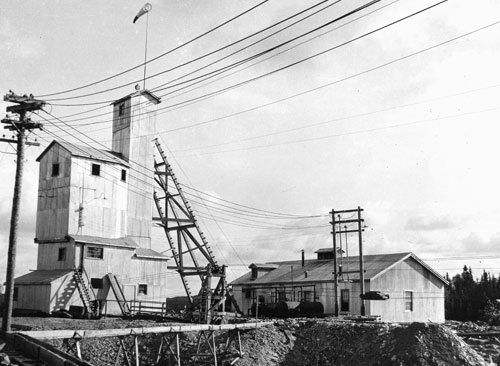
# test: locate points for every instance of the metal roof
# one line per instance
(118, 242)
(264, 265)
(144, 253)
(42, 277)
(324, 250)
(322, 270)
(87, 152)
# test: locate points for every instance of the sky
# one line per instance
(385, 109)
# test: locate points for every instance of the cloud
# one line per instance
(17, 45)
(474, 243)
(429, 223)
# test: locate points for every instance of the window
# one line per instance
(248, 293)
(96, 169)
(254, 273)
(15, 295)
(55, 170)
(408, 300)
(307, 296)
(121, 109)
(282, 296)
(97, 282)
(61, 256)
(344, 300)
(124, 175)
(142, 289)
(95, 252)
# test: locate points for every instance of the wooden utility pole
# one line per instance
(358, 229)
(335, 272)
(24, 104)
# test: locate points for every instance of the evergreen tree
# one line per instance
(467, 299)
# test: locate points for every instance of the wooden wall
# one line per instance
(53, 195)
(130, 271)
(104, 200)
(33, 297)
(48, 255)
(132, 136)
(428, 294)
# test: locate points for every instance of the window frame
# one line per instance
(142, 289)
(95, 170)
(56, 170)
(61, 254)
(408, 301)
(94, 249)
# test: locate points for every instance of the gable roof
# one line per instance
(322, 270)
(87, 152)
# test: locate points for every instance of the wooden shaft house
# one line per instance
(94, 219)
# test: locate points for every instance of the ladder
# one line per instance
(87, 294)
(187, 242)
(120, 297)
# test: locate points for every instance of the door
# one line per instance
(344, 300)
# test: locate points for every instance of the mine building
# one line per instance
(403, 288)
(94, 220)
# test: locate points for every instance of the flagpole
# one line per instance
(146, 50)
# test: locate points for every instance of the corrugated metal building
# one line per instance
(416, 291)
(95, 213)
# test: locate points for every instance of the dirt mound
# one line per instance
(336, 343)
(294, 342)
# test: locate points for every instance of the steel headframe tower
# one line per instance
(338, 218)
(24, 105)
(190, 250)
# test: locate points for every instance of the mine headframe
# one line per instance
(194, 260)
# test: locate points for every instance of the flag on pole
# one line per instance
(146, 8)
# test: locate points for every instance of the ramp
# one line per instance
(120, 297)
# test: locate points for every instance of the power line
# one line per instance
(374, 129)
(146, 194)
(245, 60)
(285, 215)
(220, 91)
(202, 57)
(160, 56)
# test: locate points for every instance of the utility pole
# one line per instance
(335, 272)
(358, 229)
(24, 104)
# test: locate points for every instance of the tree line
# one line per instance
(469, 299)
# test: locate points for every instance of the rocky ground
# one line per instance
(486, 346)
(313, 342)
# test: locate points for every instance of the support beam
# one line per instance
(101, 333)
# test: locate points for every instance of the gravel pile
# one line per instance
(486, 346)
(336, 343)
(294, 342)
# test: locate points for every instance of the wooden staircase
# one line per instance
(87, 294)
